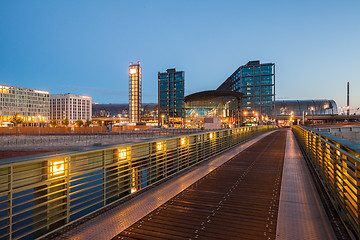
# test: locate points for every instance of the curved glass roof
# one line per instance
(318, 107)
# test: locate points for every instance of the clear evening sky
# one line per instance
(84, 47)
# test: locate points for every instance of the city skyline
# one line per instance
(85, 47)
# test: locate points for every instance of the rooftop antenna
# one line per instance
(348, 101)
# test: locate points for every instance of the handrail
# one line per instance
(41, 194)
(337, 163)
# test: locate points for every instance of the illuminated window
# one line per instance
(182, 141)
(57, 168)
(122, 153)
(211, 135)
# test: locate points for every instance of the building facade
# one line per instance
(70, 106)
(171, 85)
(31, 105)
(257, 82)
(202, 107)
(134, 92)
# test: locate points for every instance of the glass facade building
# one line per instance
(320, 107)
(134, 92)
(171, 97)
(31, 105)
(257, 82)
(213, 104)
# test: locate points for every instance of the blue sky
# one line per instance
(84, 47)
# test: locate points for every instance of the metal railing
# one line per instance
(39, 195)
(337, 163)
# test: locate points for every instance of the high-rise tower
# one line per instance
(134, 92)
(257, 82)
(171, 97)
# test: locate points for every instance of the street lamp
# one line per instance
(162, 120)
(39, 117)
(312, 115)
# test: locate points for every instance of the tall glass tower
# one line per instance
(134, 92)
(171, 98)
(257, 82)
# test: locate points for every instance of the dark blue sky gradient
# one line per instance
(84, 47)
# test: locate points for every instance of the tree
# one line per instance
(53, 123)
(79, 122)
(16, 120)
(88, 122)
(65, 122)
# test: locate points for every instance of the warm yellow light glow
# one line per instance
(182, 141)
(57, 168)
(133, 190)
(122, 153)
(211, 135)
(245, 113)
(163, 116)
(132, 70)
(159, 146)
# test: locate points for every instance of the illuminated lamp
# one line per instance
(159, 146)
(57, 168)
(122, 154)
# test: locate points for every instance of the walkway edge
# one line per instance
(301, 214)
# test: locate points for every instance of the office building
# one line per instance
(257, 82)
(134, 92)
(70, 106)
(31, 105)
(171, 97)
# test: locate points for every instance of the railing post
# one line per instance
(68, 189)
(11, 201)
(103, 157)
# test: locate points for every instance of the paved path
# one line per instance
(301, 214)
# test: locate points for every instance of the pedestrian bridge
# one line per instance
(245, 183)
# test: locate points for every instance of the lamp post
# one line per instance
(312, 115)
(39, 117)
(245, 114)
(162, 120)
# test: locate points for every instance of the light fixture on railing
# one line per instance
(182, 141)
(57, 168)
(122, 153)
(159, 146)
(133, 190)
(211, 135)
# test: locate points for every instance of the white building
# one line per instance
(70, 106)
(31, 105)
